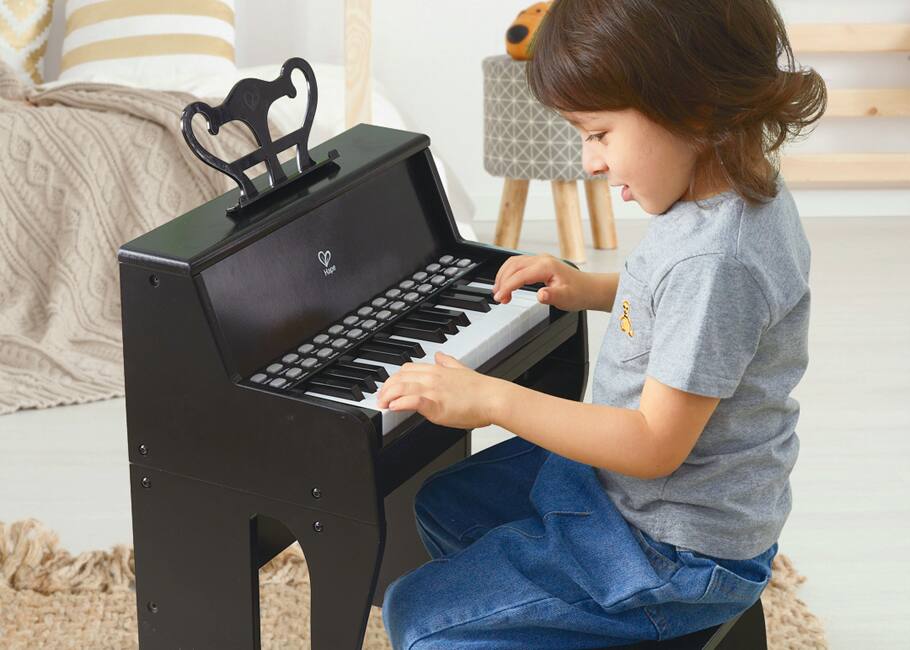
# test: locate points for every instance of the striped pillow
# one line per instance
(134, 40)
(24, 26)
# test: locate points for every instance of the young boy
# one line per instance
(655, 511)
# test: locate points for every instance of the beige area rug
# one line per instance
(51, 599)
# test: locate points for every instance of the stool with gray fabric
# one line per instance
(524, 141)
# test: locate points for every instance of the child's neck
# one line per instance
(703, 188)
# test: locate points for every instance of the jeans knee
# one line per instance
(390, 611)
(401, 613)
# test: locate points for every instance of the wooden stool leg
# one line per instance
(600, 208)
(568, 219)
(511, 212)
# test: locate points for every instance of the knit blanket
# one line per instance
(84, 168)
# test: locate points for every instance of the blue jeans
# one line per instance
(530, 553)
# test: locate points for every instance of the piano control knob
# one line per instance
(146, 482)
(143, 450)
(317, 493)
(317, 526)
(153, 607)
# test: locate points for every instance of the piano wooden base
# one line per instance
(202, 546)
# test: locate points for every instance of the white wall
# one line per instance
(427, 55)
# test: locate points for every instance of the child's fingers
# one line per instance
(528, 275)
(511, 265)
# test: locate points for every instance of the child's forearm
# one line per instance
(600, 290)
(615, 439)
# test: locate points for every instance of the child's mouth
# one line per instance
(626, 193)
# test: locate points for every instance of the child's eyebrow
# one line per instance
(574, 122)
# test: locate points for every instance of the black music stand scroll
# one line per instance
(249, 102)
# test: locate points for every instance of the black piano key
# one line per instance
(459, 317)
(409, 347)
(335, 387)
(486, 294)
(463, 300)
(377, 373)
(383, 354)
(415, 331)
(366, 384)
(429, 320)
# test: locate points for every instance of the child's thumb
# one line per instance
(547, 295)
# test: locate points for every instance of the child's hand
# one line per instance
(563, 289)
(447, 393)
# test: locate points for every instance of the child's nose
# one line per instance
(592, 163)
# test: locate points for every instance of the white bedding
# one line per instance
(287, 114)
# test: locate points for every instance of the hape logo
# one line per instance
(324, 258)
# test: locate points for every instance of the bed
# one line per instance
(90, 165)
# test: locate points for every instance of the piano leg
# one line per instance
(197, 562)
(196, 581)
(343, 570)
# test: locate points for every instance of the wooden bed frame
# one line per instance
(357, 62)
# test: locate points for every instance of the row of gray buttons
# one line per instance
(336, 338)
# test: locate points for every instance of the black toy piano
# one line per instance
(257, 329)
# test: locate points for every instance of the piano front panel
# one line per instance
(289, 284)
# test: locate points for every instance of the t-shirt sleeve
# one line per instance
(709, 316)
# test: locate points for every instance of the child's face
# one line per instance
(633, 151)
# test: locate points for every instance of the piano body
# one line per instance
(253, 348)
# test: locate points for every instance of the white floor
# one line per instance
(848, 532)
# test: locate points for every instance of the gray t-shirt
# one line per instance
(716, 297)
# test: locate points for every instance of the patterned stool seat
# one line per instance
(524, 141)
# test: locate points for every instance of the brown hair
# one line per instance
(706, 70)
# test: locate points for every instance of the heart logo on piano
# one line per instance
(324, 257)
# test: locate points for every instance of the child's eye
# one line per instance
(596, 136)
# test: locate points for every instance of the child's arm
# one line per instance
(601, 291)
(648, 442)
(567, 288)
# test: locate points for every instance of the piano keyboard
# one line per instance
(435, 308)
(485, 333)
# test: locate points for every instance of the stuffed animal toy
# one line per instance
(520, 33)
